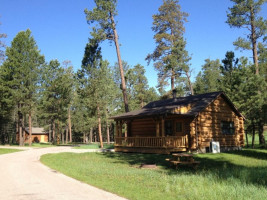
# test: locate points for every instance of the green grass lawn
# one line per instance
(4, 151)
(234, 175)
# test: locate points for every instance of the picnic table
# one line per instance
(183, 159)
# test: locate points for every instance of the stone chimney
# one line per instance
(174, 93)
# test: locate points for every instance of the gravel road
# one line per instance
(24, 177)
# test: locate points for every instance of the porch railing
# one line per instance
(167, 142)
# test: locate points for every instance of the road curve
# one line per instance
(24, 177)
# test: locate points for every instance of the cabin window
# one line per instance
(179, 127)
(228, 128)
(168, 127)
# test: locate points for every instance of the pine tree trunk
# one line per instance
(91, 135)
(107, 126)
(84, 138)
(20, 125)
(23, 131)
(99, 127)
(30, 128)
(253, 135)
(62, 137)
(108, 137)
(54, 132)
(261, 134)
(247, 139)
(58, 132)
(67, 134)
(116, 41)
(254, 40)
(49, 133)
(69, 122)
(172, 79)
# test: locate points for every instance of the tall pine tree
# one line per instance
(105, 29)
(21, 69)
(246, 14)
(170, 56)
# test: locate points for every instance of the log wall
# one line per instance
(143, 128)
(209, 126)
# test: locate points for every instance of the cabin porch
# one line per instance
(152, 135)
(163, 145)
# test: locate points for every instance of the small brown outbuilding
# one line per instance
(38, 135)
(181, 124)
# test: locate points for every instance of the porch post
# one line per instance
(162, 127)
(157, 128)
(120, 128)
(117, 129)
(126, 130)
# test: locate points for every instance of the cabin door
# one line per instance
(168, 127)
(179, 127)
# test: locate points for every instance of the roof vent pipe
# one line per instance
(174, 93)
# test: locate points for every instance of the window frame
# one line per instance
(227, 127)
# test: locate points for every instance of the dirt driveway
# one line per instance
(23, 177)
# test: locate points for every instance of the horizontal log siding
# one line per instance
(143, 128)
(209, 125)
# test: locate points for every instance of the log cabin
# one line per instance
(181, 124)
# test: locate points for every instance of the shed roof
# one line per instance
(37, 130)
(162, 107)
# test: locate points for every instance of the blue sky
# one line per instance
(61, 32)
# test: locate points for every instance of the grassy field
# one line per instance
(94, 146)
(4, 151)
(234, 175)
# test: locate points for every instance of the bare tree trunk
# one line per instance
(254, 39)
(69, 122)
(123, 85)
(30, 128)
(99, 127)
(187, 73)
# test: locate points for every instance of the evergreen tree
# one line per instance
(2, 47)
(245, 14)
(170, 57)
(138, 89)
(97, 83)
(57, 88)
(229, 81)
(105, 29)
(208, 78)
(21, 69)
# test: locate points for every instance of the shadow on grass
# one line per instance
(219, 166)
(251, 153)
